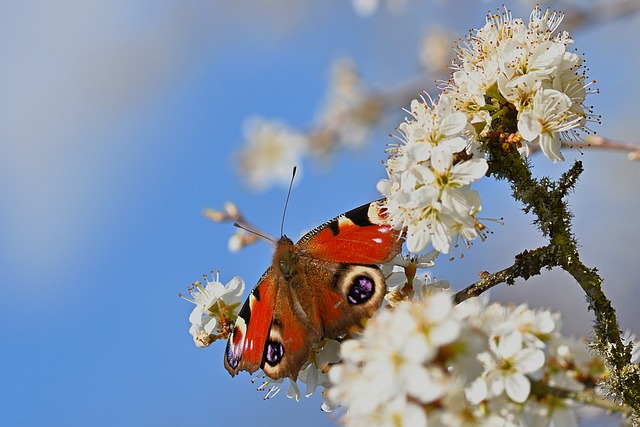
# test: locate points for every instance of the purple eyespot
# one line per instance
(273, 352)
(361, 290)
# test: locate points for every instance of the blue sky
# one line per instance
(119, 124)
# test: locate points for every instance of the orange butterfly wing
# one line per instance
(359, 236)
(357, 240)
(245, 346)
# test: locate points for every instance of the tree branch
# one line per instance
(545, 198)
(526, 265)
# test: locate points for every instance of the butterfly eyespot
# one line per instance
(273, 352)
(361, 290)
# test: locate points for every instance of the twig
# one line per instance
(599, 143)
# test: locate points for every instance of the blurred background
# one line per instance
(121, 120)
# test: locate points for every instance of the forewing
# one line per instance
(356, 237)
(245, 346)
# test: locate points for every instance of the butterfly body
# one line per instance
(324, 286)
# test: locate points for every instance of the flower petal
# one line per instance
(517, 387)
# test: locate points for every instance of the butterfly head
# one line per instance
(286, 258)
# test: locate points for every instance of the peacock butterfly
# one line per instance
(321, 287)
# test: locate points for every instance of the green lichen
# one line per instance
(546, 199)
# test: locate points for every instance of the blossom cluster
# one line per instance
(512, 65)
(422, 361)
(430, 172)
(514, 80)
(428, 362)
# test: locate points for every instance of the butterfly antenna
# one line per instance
(286, 202)
(257, 233)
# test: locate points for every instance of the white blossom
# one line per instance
(214, 302)
(511, 361)
(272, 150)
(546, 120)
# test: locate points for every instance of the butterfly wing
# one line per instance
(345, 295)
(272, 332)
(245, 345)
(332, 284)
(359, 236)
(341, 258)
